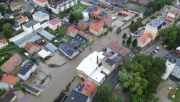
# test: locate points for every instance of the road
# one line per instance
(62, 76)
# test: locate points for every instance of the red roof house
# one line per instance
(54, 23)
(126, 13)
(31, 48)
(144, 39)
(11, 63)
(72, 31)
(23, 20)
(97, 28)
(10, 79)
(89, 88)
(88, 37)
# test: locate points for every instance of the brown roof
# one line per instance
(3, 41)
(145, 37)
(10, 79)
(118, 48)
(23, 19)
(11, 61)
(28, 46)
(89, 88)
(97, 26)
(72, 29)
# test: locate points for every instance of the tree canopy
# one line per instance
(140, 76)
(75, 17)
(104, 94)
(171, 36)
(135, 25)
(7, 30)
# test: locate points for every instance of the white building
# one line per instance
(169, 67)
(54, 23)
(44, 54)
(31, 26)
(26, 70)
(90, 68)
(41, 3)
(40, 16)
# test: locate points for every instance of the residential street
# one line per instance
(62, 76)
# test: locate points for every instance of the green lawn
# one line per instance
(177, 95)
(62, 30)
(4, 57)
(71, 10)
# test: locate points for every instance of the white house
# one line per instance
(169, 67)
(54, 23)
(3, 43)
(27, 68)
(40, 16)
(91, 68)
(43, 53)
(31, 26)
(41, 3)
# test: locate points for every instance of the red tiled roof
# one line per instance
(28, 46)
(118, 48)
(10, 79)
(89, 88)
(145, 37)
(127, 13)
(42, 1)
(72, 29)
(11, 61)
(54, 21)
(97, 26)
(22, 19)
(85, 35)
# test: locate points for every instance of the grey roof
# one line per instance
(30, 23)
(178, 62)
(110, 61)
(26, 67)
(7, 97)
(46, 34)
(156, 22)
(16, 25)
(66, 48)
(40, 14)
(76, 96)
(51, 47)
(30, 88)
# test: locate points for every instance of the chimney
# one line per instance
(97, 60)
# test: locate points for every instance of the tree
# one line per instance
(134, 43)
(104, 94)
(124, 35)
(140, 76)
(75, 17)
(128, 42)
(7, 30)
(135, 25)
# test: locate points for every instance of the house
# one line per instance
(86, 36)
(169, 67)
(15, 6)
(72, 31)
(31, 26)
(170, 17)
(51, 47)
(94, 69)
(45, 34)
(16, 26)
(97, 28)
(8, 97)
(3, 43)
(76, 96)
(28, 8)
(68, 51)
(95, 13)
(44, 54)
(41, 3)
(10, 79)
(27, 68)
(54, 23)
(11, 63)
(178, 50)
(88, 87)
(31, 89)
(8, 16)
(22, 20)
(144, 39)
(82, 25)
(31, 48)
(118, 48)
(126, 13)
(40, 16)
(61, 5)
(157, 23)
(4, 85)
(175, 74)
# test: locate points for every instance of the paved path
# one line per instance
(62, 76)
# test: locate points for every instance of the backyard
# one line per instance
(71, 10)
